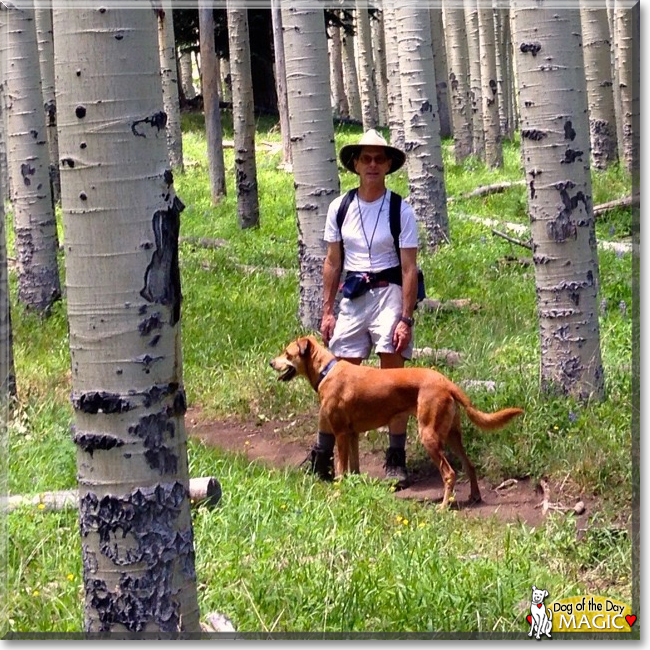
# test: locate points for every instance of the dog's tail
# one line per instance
(483, 420)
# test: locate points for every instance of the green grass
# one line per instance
(285, 552)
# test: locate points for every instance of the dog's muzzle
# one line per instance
(287, 373)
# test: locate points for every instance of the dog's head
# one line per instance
(539, 595)
(292, 361)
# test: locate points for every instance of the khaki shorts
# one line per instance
(366, 321)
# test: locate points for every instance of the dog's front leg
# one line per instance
(532, 624)
(342, 453)
(354, 453)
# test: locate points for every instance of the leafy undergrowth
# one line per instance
(283, 552)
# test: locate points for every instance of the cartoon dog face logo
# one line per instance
(540, 617)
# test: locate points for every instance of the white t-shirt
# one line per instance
(382, 250)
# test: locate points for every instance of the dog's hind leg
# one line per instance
(354, 453)
(455, 442)
(342, 453)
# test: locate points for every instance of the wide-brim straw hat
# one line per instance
(371, 139)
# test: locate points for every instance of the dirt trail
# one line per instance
(265, 443)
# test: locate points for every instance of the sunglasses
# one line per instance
(380, 158)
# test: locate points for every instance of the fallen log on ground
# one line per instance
(625, 202)
(205, 490)
(441, 356)
(203, 242)
(486, 190)
(513, 240)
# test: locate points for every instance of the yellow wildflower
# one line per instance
(405, 522)
(36, 592)
(70, 576)
(41, 506)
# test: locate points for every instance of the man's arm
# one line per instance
(331, 277)
(402, 333)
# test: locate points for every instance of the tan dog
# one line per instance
(354, 399)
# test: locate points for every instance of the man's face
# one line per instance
(372, 165)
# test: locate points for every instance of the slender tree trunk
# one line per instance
(340, 101)
(167, 50)
(210, 90)
(555, 137)
(27, 155)
(503, 81)
(5, 182)
(187, 81)
(476, 93)
(281, 80)
(422, 124)
(314, 158)
(379, 58)
(7, 372)
(226, 79)
(124, 308)
(625, 33)
(489, 88)
(243, 118)
(457, 59)
(369, 114)
(43, 15)
(611, 20)
(350, 77)
(441, 71)
(393, 79)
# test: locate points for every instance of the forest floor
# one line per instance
(279, 445)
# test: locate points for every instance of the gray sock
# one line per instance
(326, 441)
(397, 440)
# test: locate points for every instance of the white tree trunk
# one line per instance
(339, 100)
(380, 74)
(600, 94)
(489, 88)
(314, 158)
(422, 124)
(503, 72)
(243, 118)
(611, 19)
(281, 80)
(369, 114)
(5, 182)
(441, 70)
(210, 92)
(124, 307)
(626, 28)
(555, 138)
(187, 75)
(43, 15)
(7, 372)
(476, 92)
(226, 79)
(394, 82)
(350, 77)
(168, 69)
(458, 62)
(28, 160)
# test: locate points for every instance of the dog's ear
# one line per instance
(534, 587)
(545, 593)
(304, 345)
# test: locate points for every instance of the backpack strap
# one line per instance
(342, 211)
(395, 220)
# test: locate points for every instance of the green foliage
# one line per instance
(285, 552)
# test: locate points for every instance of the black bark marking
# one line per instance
(157, 120)
(83, 145)
(33, 133)
(570, 156)
(154, 322)
(102, 10)
(80, 112)
(533, 134)
(454, 81)
(100, 402)
(83, 196)
(154, 341)
(151, 429)
(493, 86)
(156, 393)
(168, 176)
(148, 515)
(532, 48)
(50, 112)
(119, 36)
(78, 73)
(529, 104)
(179, 406)
(162, 280)
(532, 189)
(27, 170)
(562, 227)
(569, 131)
(427, 107)
(67, 161)
(91, 442)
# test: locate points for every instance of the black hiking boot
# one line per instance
(395, 467)
(321, 463)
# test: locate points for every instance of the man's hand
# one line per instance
(401, 336)
(327, 327)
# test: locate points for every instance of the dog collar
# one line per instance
(324, 371)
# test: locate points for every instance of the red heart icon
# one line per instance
(529, 618)
(631, 619)
(538, 606)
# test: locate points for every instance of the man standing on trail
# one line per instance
(378, 254)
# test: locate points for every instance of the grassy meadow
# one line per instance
(283, 552)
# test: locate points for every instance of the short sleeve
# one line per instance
(409, 233)
(332, 232)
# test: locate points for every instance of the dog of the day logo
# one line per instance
(577, 614)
